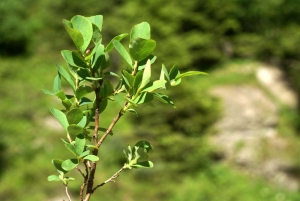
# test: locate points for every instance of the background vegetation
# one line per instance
(195, 34)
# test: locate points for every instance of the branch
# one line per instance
(89, 182)
(67, 192)
(111, 179)
(113, 123)
(77, 168)
(84, 181)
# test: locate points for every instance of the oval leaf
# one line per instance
(66, 76)
(155, 85)
(75, 35)
(53, 178)
(83, 90)
(70, 164)
(91, 158)
(190, 73)
(146, 74)
(96, 20)
(110, 45)
(141, 30)
(79, 144)
(84, 26)
(74, 116)
(140, 48)
(60, 116)
(74, 130)
(122, 51)
(73, 58)
(57, 164)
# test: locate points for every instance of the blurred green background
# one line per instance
(220, 37)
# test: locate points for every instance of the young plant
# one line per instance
(88, 75)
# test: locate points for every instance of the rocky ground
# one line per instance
(248, 134)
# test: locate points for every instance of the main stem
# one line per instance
(90, 182)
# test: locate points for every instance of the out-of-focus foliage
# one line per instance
(193, 34)
(178, 135)
(196, 34)
(17, 26)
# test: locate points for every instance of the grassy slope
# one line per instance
(28, 147)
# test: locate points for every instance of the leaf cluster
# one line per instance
(88, 72)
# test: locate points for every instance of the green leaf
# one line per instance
(128, 78)
(84, 26)
(69, 179)
(128, 154)
(146, 75)
(155, 85)
(83, 73)
(94, 78)
(104, 61)
(112, 74)
(66, 76)
(140, 48)
(57, 83)
(67, 103)
(163, 98)
(75, 35)
(137, 81)
(142, 64)
(82, 122)
(83, 90)
(70, 164)
(91, 158)
(74, 130)
(107, 89)
(103, 105)
(132, 111)
(91, 146)
(84, 101)
(141, 30)
(92, 52)
(61, 95)
(97, 58)
(145, 145)
(97, 36)
(74, 116)
(122, 51)
(57, 164)
(119, 100)
(189, 73)
(60, 116)
(70, 147)
(110, 45)
(73, 58)
(54, 178)
(48, 92)
(96, 20)
(84, 153)
(144, 98)
(79, 144)
(144, 164)
(164, 71)
(174, 72)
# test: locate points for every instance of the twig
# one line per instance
(77, 168)
(90, 178)
(84, 181)
(113, 123)
(67, 192)
(111, 179)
